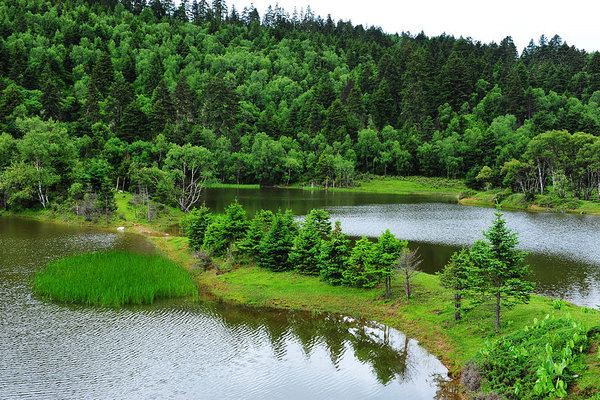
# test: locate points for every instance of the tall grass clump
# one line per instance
(112, 279)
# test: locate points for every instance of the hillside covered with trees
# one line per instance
(159, 99)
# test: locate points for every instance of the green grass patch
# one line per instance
(232, 186)
(409, 185)
(112, 279)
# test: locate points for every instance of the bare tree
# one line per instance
(408, 264)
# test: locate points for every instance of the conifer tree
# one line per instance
(194, 225)
(334, 256)
(307, 244)
(257, 229)
(501, 268)
(458, 275)
(276, 245)
(388, 249)
(362, 269)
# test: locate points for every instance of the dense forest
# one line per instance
(158, 98)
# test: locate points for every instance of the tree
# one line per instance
(194, 225)
(333, 257)
(501, 267)
(408, 264)
(458, 275)
(225, 230)
(362, 269)
(190, 167)
(389, 249)
(276, 245)
(258, 227)
(307, 244)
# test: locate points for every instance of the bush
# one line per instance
(194, 226)
(276, 245)
(537, 361)
(112, 279)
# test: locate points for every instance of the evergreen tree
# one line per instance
(388, 250)
(276, 245)
(307, 244)
(257, 229)
(501, 267)
(458, 275)
(163, 110)
(194, 225)
(333, 258)
(362, 269)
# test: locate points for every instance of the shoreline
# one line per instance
(427, 318)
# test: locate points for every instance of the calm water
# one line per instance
(178, 350)
(564, 248)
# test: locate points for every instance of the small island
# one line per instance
(112, 279)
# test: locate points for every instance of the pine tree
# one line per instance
(334, 255)
(388, 249)
(194, 225)
(501, 267)
(236, 222)
(276, 245)
(257, 229)
(307, 244)
(458, 275)
(362, 269)
(102, 73)
(163, 110)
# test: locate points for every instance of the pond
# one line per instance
(564, 249)
(182, 350)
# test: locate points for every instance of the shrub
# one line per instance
(534, 362)
(194, 226)
(112, 279)
(276, 245)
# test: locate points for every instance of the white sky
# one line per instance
(576, 21)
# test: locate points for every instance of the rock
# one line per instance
(121, 229)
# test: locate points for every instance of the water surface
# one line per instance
(183, 350)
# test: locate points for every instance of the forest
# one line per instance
(159, 99)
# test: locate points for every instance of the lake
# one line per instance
(564, 249)
(184, 349)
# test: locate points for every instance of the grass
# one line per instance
(409, 185)
(232, 186)
(112, 279)
(517, 201)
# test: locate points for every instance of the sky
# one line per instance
(576, 21)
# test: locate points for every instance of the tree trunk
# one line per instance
(498, 311)
(407, 285)
(457, 304)
(388, 287)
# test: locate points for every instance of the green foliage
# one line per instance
(224, 230)
(501, 267)
(538, 361)
(258, 227)
(333, 258)
(112, 279)
(307, 244)
(276, 246)
(362, 268)
(195, 224)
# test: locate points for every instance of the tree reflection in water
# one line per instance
(390, 354)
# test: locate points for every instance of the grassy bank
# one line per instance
(112, 279)
(409, 185)
(517, 201)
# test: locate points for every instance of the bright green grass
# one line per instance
(112, 279)
(410, 185)
(232, 186)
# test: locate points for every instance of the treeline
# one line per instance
(292, 97)
(492, 269)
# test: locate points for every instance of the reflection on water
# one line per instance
(564, 248)
(185, 350)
